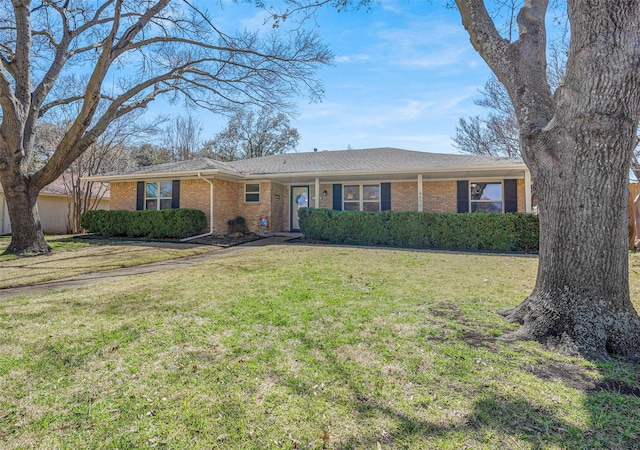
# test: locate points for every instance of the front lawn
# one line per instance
(300, 347)
(72, 257)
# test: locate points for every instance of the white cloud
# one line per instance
(358, 57)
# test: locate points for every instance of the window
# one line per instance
(358, 197)
(158, 195)
(252, 193)
(486, 197)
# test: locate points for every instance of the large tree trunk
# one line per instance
(578, 143)
(26, 231)
(581, 304)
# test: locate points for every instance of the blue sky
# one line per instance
(404, 72)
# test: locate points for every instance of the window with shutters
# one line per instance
(486, 197)
(361, 197)
(158, 195)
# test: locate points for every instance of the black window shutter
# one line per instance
(510, 195)
(337, 197)
(463, 196)
(175, 194)
(140, 196)
(385, 196)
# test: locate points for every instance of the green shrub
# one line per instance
(166, 223)
(471, 231)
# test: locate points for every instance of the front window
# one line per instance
(486, 197)
(252, 193)
(359, 197)
(158, 195)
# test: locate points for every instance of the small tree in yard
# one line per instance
(145, 49)
(578, 143)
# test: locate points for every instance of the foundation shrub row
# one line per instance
(469, 231)
(166, 223)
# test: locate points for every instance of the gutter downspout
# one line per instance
(210, 212)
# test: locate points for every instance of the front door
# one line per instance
(299, 199)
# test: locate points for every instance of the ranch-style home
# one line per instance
(268, 191)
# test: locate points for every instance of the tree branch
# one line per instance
(521, 65)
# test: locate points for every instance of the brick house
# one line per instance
(268, 191)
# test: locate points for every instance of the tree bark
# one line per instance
(578, 144)
(26, 232)
(581, 303)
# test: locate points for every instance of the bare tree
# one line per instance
(250, 134)
(110, 152)
(578, 143)
(497, 133)
(150, 48)
(182, 137)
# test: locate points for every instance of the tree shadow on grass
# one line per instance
(499, 419)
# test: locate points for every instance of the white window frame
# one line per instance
(251, 193)
(157, 199)
(361, 200)
(500, 182)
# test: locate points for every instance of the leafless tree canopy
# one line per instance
(182, 137)
(111, 57)
(497, 133)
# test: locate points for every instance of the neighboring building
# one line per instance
(53, 208)
(268, 191)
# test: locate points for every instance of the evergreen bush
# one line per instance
(469, 231)
(166, 223)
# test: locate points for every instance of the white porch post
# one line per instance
(2, 230)
(527, 191)
(420, 192)
(317, 196)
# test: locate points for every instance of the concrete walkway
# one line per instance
(90, 279)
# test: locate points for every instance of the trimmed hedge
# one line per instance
(469, 231)
(166, 223)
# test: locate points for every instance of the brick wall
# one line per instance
(279, 220)
(252, 212)
(194, 194)
(404, 196)
(225, 203)
(123, 195)
(326, 201)
(440, 196)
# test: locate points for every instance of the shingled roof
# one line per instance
(373, 159)
(339, 161)
(57, 187)
(192, 165)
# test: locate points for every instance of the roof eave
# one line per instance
(423, 170)
(275, 175)
(159, 175)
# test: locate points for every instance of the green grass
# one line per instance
(301, 347)
(72, 257)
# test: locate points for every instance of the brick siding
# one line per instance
(123, 195)
(229, 196)
(440, 196)
(404, 196)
